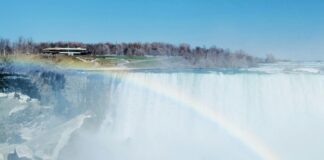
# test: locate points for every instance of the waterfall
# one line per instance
(209, 116)
(152, 114)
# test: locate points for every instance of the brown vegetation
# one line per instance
(197, 56)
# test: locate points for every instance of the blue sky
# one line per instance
(291, 29)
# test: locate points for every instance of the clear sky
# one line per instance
(291, 29)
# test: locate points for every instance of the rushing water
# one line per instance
(269, 112)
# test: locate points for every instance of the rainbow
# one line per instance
(246, 137)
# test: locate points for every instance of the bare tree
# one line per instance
(197, 56)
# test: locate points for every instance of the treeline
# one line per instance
(200, 56)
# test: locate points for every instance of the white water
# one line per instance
(192, 115)
(284, 111)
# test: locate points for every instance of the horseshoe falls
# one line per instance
(268, 112)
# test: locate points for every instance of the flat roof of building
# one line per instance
(58, 49)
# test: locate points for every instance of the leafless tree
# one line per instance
(200, 56)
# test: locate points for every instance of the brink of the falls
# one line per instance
(268, 112)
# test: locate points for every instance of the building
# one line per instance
(66, 51)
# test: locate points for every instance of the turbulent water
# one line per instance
(270, 112)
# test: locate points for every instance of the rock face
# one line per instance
(40, 109)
